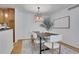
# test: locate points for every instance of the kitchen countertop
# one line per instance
(5, 29)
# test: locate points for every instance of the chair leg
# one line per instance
(43, 47)
(59, 48)
(53, 47)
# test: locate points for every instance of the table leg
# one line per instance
(40, 45)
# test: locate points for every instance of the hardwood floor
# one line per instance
(18, 47)
(69, 46)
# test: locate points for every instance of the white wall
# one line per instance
(20, 17)
(31, 25)
(24, 24)
(71, 36)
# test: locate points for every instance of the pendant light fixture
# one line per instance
(38, 16)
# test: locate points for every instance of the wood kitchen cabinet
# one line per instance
(7, 16)
(10, 17)
(1, 16)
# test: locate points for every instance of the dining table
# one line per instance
(47, 37)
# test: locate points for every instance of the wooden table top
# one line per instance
(48, 34)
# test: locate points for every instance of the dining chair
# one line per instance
(39, 40)
(53, 44)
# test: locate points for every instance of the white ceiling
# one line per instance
(44, 8)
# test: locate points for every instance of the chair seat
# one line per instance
(38, 41)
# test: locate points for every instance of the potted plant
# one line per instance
(47, 24)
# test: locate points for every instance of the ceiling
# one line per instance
(32, 8)
(45, 8)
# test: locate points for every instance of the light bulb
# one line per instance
(6, 15)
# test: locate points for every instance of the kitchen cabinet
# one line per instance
(6, 41)
(10, 17)
(7, 16)
(1, 16)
